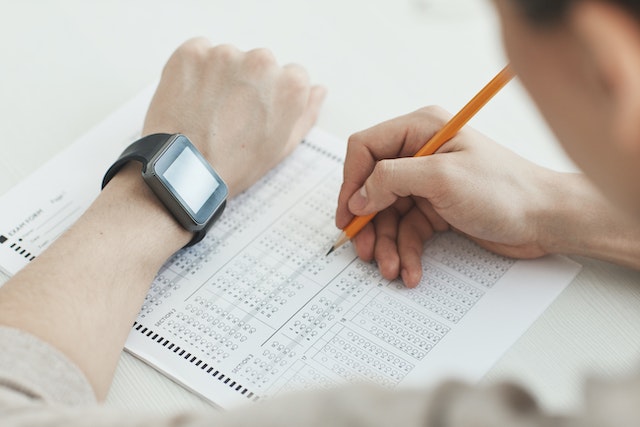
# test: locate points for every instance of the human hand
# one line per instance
(471, 185)
(243, 111)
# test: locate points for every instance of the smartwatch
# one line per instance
(180, 177)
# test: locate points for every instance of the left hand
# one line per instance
(243, 111)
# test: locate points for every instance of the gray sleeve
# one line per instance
(32, 369)
(39, 386)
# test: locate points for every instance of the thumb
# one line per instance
(391, 179)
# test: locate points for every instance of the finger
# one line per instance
(424, 177)
(404, 205)
(309, 116)
(216, 61)
(413, 231)
(343, 214)
(302, 103)
(198, 42)
(437, 222)
(401, 207)
(398, 137)
(402, 136)
(196, 47)
(364, 243)
(293, 89)
(260, 61)
(382, 188)
(386, 249)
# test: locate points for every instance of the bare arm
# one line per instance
(245, 114)
(473, 185)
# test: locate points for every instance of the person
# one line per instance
(52, 372)
(587, 91)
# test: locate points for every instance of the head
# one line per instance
(580, 62)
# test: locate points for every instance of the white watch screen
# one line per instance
(190, 179)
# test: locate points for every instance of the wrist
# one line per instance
(577, 219)
(180, 177)
(131, 206)
(98, 272)
(555, 214)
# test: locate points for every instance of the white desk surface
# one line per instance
(65, 65)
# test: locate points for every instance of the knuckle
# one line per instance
(223, 53)
(383, 172)
(435, 112)
(296, 77)
(194, 47)
(260, 58)
(444, 176)
(355, 147)
(355, 141)
(186, 54)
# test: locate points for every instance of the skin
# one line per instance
(587, 91)
(202, 91)
(589, 94)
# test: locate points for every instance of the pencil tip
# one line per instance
(342, 239)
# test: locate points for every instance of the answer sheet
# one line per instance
(257, 309)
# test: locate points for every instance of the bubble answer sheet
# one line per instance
(257, 309)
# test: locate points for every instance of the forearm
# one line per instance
(578, 220)
(245, 114)
(83, 294)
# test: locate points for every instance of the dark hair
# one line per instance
(551, 11)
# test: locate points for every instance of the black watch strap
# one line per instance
(142, 151)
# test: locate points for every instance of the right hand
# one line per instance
(471, 185)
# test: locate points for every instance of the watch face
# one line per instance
(191, 184)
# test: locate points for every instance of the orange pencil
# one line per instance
(443, 135)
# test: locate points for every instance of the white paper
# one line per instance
(257, 309)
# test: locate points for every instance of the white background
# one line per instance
(65, 65)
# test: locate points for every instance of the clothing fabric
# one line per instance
(39, 386)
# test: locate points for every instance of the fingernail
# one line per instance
(408, 280)
(359, 200)
(404, 274)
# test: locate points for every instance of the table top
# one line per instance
(66, 65)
